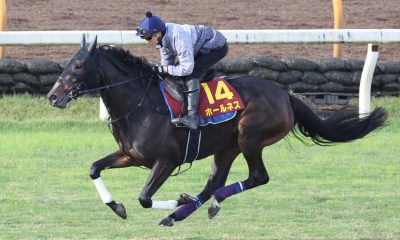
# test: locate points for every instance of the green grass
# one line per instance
(348, 191)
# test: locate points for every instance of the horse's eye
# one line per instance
(78, 66)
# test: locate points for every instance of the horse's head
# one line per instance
(80, 73)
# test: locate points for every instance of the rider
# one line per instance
(187, 51)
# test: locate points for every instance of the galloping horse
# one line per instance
(146, 137)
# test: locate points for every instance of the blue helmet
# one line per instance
(150, 25)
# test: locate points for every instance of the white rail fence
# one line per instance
(372, 37)
(121, 37)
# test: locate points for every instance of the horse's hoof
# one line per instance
(185, 198)
(120, 211)
(213, 209)
(166, 222)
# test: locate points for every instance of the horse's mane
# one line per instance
(124, 55)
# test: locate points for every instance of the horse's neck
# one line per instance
(121, 100)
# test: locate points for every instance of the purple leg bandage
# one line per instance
(185, 210)
(227, 191)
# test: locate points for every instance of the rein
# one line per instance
(73, 95)
(112, 85)
(146, 89)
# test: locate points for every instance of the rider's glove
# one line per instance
(158, 69)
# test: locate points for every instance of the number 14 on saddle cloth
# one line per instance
(218, 102)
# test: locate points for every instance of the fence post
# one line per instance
(337, 24)
(364, 104)
(3, 23)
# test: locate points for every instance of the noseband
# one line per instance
(76, 91)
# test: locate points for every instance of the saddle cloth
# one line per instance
(218, 102)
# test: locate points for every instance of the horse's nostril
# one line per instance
(53, 97)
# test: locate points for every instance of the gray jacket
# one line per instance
(185, 42)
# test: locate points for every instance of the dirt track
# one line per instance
(222, 14)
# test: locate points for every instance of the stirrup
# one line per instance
(186, 121)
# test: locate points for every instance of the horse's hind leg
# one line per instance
(257, 176)
(220, 170)
(261, 124)
(115, 160)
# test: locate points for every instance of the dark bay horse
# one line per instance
(147, 138)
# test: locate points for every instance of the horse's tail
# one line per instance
(343, 125)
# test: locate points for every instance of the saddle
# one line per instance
(176, 86)
(218, 100)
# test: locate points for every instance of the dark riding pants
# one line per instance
(204, 61)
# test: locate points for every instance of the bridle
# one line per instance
(79, 89)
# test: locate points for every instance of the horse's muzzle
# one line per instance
(57, 98)
(60, 102)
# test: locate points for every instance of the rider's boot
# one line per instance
(191, 120)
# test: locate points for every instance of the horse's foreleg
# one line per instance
(115, 160)
(220, 169)
(160, 171)
(173, 204)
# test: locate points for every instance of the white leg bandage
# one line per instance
(214, 203)
(104, 193)
(170, 204)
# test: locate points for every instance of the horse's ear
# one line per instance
(92, 46)
(83, 41)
